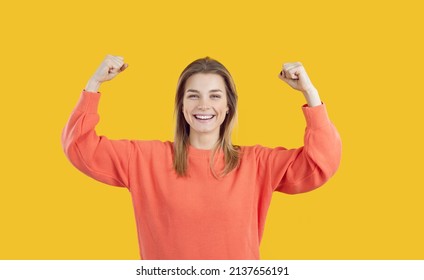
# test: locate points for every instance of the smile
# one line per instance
(204, 117)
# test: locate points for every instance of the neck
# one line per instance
(203, 141)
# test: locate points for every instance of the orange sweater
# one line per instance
(200, 217)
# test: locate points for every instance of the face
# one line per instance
(205, 103)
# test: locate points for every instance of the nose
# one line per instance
(203, 107)
(203, 104)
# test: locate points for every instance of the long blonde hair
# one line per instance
(182, 129)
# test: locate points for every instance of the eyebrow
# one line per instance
(195, 90)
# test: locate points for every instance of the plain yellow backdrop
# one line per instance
(364, 57)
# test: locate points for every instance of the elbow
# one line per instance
(328, 161)
(71, 153)
(334, 159)
(68, 145)
(326, 169)
(70, 149)
(331, 167)
(322, 165)
(317, 178)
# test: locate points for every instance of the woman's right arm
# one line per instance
(98, 157)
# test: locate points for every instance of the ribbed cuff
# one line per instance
(316, 116)
(88, 102)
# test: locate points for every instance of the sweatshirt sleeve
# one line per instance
(96, 156)
(310, 166)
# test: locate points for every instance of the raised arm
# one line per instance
(310, 166)
(98, 157)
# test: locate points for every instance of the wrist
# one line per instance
(310, 91)
(92, 86)
(312, 97)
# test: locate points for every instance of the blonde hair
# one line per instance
(182, 128)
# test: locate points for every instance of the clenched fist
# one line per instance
(108, 69)
(295, 75)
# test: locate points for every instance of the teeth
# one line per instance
(203, 117)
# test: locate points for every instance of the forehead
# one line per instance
(205, 81)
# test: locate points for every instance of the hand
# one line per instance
(295, 75)
(110, 67)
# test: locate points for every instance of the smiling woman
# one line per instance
(206, 110)
(201, 197)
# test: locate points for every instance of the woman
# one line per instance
(200, 197)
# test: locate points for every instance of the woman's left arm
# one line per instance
(306, 168)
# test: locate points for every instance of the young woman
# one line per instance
(200, 196)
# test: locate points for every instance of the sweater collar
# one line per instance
(192, 151)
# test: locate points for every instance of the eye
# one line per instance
(215, 96)
(192, 96)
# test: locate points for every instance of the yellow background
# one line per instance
(364, 57)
